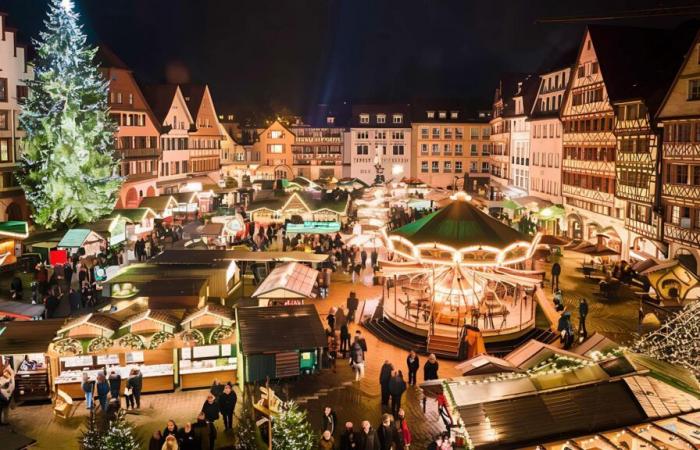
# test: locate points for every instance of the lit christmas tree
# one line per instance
(120, 435)
(291, 429)
(676, 341)
(91, 438)
(68, 171)
(246, 431)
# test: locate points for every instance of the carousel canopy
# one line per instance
(460, 224)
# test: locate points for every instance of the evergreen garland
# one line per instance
(68, 170)
(291, 429)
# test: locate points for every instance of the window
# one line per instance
(447, 150)
(430, 114)
(363, 135)
(458, 166)
(459, 150)
(330, 120)
(275, 134)
(581, 72)
(436, 166)
(473, 167)
(459, 133)
(397, 150)
(436, 149)
(397, 118)
(275, 148)
(696, 175)
(436, 133)
(363, 149)
(424, 149)
(694, 89)
(424, 133)
(485, 150)
(474, 133)
(594, 67)
(5, 144)
(22, 92)
(424, 166)
(119, 97)
(454, 114)
(4, 119)
(473, 150)
(380, 134)
(381, 118)
(442, 114)
(485, 133)
(447, 167)
(397, 135)
(681, 173)
(448, 133)
(3, 89)
(364, 118)
(131, 99)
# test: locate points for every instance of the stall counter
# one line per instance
(156, 378)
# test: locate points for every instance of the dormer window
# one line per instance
(397, 118)
(364, 118)
(454, 114)
(330, 120)
(381, 118)
(430, 114)
(442, 114)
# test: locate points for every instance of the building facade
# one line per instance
(15, 70)
(136, 140)
(380, 135)
(546, 136)
(520, 135)
(450, 149)
(205, 140)
(679, 115)
(499, 160)
(317, 152)
(273, 150)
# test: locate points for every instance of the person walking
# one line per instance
(329, 420)
(115, 384)
(344, 338)
(136, 384)
(367, 438)
(566, 332)
(227, 405)
(384, 378)
(129, 395)
(352, 303)
(74, 300)
(556, 271)
(170, 443)
(402, 427)
(333, 350)
(363, 258)
(361, 340)
(397, 386)
(326, 442)
(348, 440)
(387, 433)
(358, 360)
(413, 363)
(430, 368)
(374, 257)
(330, 318)
(211, 409)
(102, 388)
(582, 314)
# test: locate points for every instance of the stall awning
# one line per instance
(77, 237)
(296, 328)
(14, 229)
(19, 310)
(290, 280)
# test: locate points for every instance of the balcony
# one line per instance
(596, 167)
(682, 235)
(204, 152)
(685, 193)
(589, 195)
(139, 153)
(648, 230)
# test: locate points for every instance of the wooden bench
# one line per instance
(63, 407)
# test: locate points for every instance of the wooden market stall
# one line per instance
(20, 311)
(24, 346)
(288, 283)
(157, 289)
(112, 229)
(208, 352)
(317, 214)
(295, 347)
(162, 205)
(76, 239)
(12, 233)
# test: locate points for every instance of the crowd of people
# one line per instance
(201, 434)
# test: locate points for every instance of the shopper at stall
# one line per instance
(211, 408)
(136, 384)
(115, 384)
(227, 404)
(102, 388)
(187, 438)
(430, 368)
(88, 387)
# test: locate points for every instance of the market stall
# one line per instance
(296, 350)
(24, 346)
(83, 241)
(112, 230)
(12, 233)
(20, 311)
(208, 352)
(287, 284)
(162, 205)
(310, 207)
(187, 205)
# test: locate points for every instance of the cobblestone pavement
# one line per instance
(353, 401)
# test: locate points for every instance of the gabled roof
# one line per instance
(77, 237)
(220, 311)
(160, 98)
(295, 328)
(97, 320)
(690, 52)
(460, 224)
(185, 197)
(313, 204)
(159, 203)
(290, 280)
(134, 215)
(161, 317)
(108, 59)
(14, 229)
(193, 94)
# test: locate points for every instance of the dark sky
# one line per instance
(297, 53)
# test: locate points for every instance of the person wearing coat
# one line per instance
(326, 442)
(211, 409)
(136, 384)
(115, 384)
(102, 388)
(397, 386)
(169, 430)
(187, 438)
(387, 435)
(384, 379)
(348, 440)
(367, 438)
(402, 427)
(227, 404)
(430, 368)
(7, 388)
(413, 363)
(330, 420)
(205, 432)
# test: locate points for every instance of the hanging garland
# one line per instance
(68, 347)
(159, 338)
(193, 336)
(99, 344)
(220, 333)
(131, 342)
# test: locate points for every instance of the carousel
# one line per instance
(458, 271)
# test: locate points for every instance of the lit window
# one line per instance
(431, 115)
(275, 134)
(330, 120)
(694, 89)
(364, 118)
(424, 166)
(454, 114)
(381, 118)
(275, 148)
(397, 118)
(443, 114)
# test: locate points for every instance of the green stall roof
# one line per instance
(74, 238)
(14, 228)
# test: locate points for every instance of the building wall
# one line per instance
(174, 165)
(520, 154)
(545, 159)
(274, 148)
(443, 151)
(206, 141)
(317, 152)
(392, 147)
(13, 71)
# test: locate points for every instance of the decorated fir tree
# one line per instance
(291, 429)
(91, 438)
(120, 435)
(68, 170)
(246, 431)
(677, 341)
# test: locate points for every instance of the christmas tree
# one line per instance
(120, 435)
(291, 429)
(68, 171)
(91, 438)
(246, 432)
(676, 342)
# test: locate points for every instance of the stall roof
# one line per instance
(14, 229)
(98, 320)
(173, 287)
(185, 197)
(279, 203)
(290, 280)
(212, 309)
(28, 336)
(295, 328)
(533, 352)
(202, 256)
(20, 310)
(134, 215)
(77, 237)
(158, 204)
(211, 229)
(157, 316)
(595, 342)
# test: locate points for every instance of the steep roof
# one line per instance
(193, 93)
(108, 59)
(387, 109)
(160, 99)
(295, 328)
(639, 63)
(460, 224)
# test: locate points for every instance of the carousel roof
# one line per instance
(460, 224)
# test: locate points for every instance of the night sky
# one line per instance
(293, 54)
